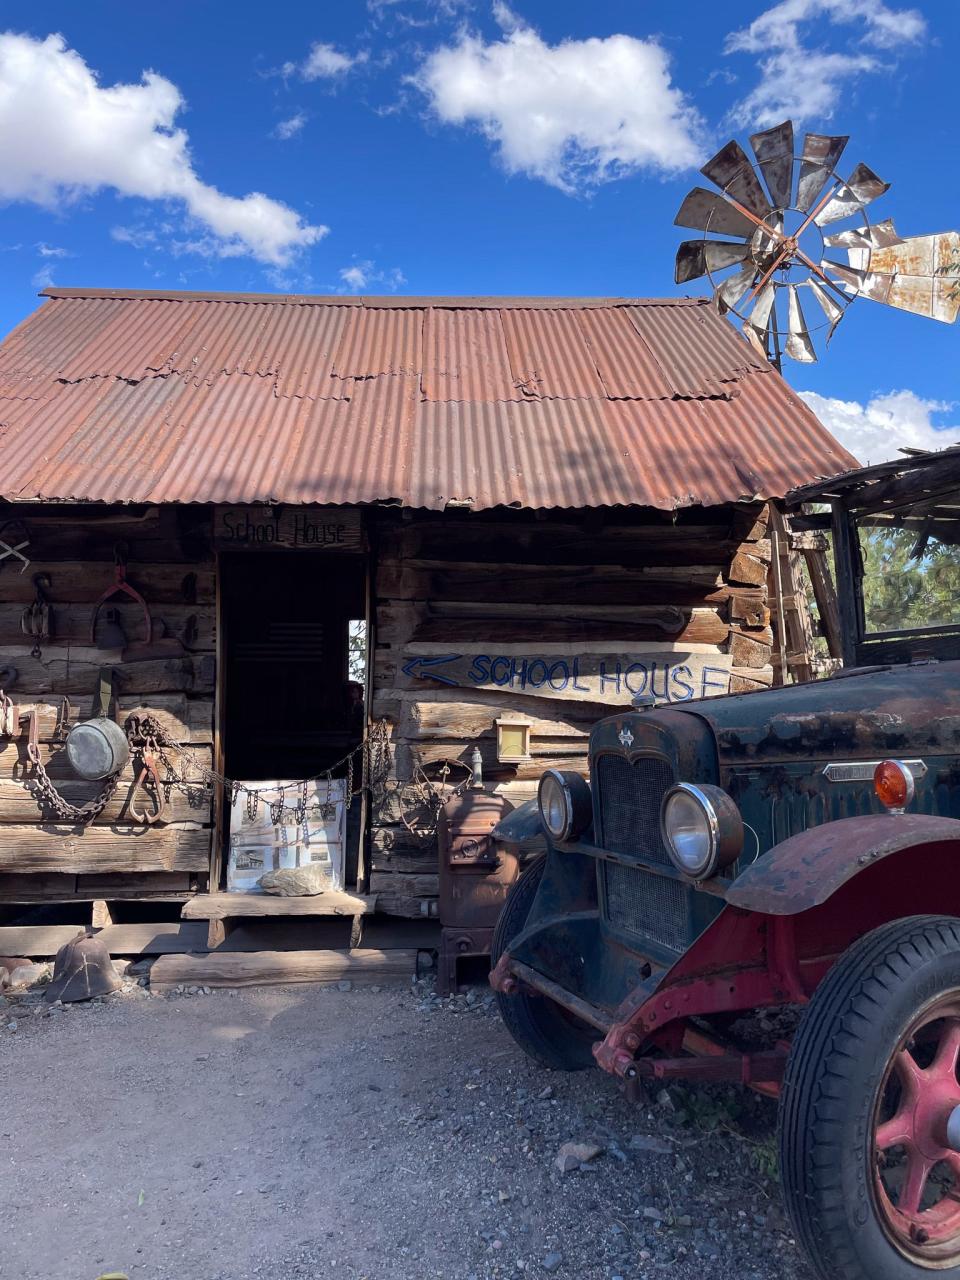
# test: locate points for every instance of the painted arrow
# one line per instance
(423, 668)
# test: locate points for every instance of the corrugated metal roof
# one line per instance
(532, 402)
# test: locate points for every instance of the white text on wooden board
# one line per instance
(309, 528)
(671, 676)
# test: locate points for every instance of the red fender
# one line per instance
(809, 868)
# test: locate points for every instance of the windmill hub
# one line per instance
(764, 243)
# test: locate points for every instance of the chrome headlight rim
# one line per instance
(577, 803)
(722, 823)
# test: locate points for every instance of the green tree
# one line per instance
(907, 583)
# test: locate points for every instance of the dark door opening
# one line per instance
(290, 706)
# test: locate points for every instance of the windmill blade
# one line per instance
(696, 257)
(706, 211)
(879, 236)
(926, 275)
(799, 346)
(862, 187)
(732, 290)
(828, 305)
(821, 155)
(870, 284)
(734, 175)
(774, 151)
(757, 325)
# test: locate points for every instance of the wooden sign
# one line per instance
(307, 528)
(670, 674)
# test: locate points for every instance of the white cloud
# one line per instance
(63, 136)
(365, 275)
(43, 279)
(290, 127)
(50, 250)
(573, 114)
(325, 62)
(804, 80)
(875, 432)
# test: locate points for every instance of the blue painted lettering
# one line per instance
(682, 689)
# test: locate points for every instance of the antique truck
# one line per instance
(794, 849)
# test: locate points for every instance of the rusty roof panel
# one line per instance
(627, 367)
(206, 399)
(548, 355)
(465, 357)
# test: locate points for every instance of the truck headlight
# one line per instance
(702, 829)
(565, 805)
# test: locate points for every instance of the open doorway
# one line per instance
(293, 654)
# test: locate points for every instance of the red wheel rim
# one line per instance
(917, 1172)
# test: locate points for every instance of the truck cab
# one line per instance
(793, 849)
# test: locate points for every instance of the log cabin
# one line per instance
(425, 533)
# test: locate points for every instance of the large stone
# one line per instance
(296, 882)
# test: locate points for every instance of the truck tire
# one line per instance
(871, 1174)
(543, 1030)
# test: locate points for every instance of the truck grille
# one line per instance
(647, 905)
(630, 799)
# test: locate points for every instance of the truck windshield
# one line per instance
(911, 568)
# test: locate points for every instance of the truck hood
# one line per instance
(877, 712)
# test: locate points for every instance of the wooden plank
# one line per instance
(152, 535)
(99, 849)
(77, 673)
(165, 938)
(192, 625)
(310, 528)
(424, 720)
(690, 627)
(185, 719)
(404, 895)
(671, 673)
(226, 906)
(19, 804)
(54, 887)
(395, 847)
(15, 763)
(80, 582)
(277, 968)
(749, 568)
(748, 652)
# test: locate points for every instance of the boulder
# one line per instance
(297, 882)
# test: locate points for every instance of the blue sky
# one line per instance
(452, 147)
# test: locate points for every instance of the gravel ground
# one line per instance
(308, 1132)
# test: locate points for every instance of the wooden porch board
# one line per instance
(277, 968)
(229, 906)
(42, 941)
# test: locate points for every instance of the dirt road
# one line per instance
(303, 1132)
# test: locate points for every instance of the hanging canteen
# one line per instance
(97, 748)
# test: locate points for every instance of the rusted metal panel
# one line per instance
(524, 402)
(809, 868)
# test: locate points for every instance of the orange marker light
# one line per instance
(894, 785)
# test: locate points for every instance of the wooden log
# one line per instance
(744, 679)
(451, 720)
(155, 535)
(185, 719)
(80, 582)
(226, 906)
(277, 968)
(165, 938)
(193, 625)
(396, 848)
(404, 895)
(59, 887)
(408, 754)
(14, 762)
(78, 674)
(99, 849)
(20, 804)
(747, 652)
(749, 568)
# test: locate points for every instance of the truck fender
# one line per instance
(807, 869)
(522, 827)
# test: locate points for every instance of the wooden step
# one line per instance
(40, 941)
(277, 968)
(227, 906)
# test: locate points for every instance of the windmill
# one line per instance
(787, 238)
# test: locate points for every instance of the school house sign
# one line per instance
(670, 675)
(306, 528)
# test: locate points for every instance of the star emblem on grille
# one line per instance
(626, 738)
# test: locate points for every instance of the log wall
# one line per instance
(455, 587)
(170, 561)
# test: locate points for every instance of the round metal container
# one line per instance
(97, 748)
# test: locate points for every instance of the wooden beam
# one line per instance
(225, 906)
(98, 849)
(273, 968)
(45, 940)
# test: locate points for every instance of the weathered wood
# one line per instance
(99, 849)
(154, 535)
(749, 568)
(403, 895)
(224, 906)
(192, 625)
(57, 887)
(700, 627)
(80, 582)
(14, 762)
(183, 718)
(19, 804)
(748, 652)
(744, 679)
(100, 915)
(423, 720)
(43, 941)
(77, 674)
(273, 968)
(397, 848)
